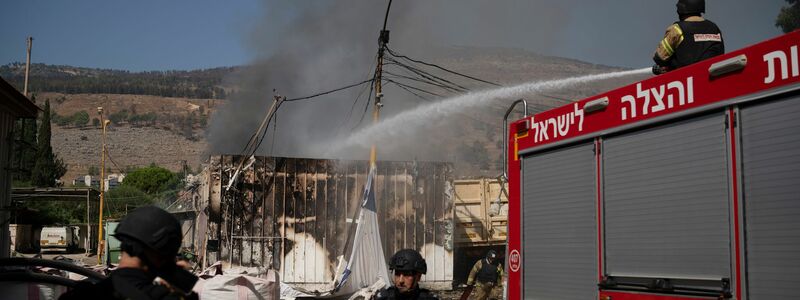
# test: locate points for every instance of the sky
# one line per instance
(182, 34)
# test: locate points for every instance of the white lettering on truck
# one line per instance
(561, 125)
(783, 62)
(656, 103)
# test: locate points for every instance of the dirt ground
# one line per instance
(455, 294)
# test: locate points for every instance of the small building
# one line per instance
(13, 105)
(91, 181)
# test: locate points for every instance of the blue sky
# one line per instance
(183, 34)
(132, 35)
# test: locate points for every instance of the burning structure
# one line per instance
(298, 216)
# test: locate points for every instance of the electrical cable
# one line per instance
(328, 92)
(366, 106)
(423, 73)
(395, 54)
(413, 88)
(373, 69)
(444, 87)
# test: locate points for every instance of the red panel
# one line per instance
(598, 165)
(734, 175)
(514, 222)
(643, 296)
(687, 88)
(767, 63)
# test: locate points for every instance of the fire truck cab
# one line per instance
(682, 186)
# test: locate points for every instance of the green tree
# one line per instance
(52, 212)
(48, 166)
(93, 170)
(127, 196)
(119, 117)
(59, 119)
(25, 155)
(152, 179)
(789, 17)
(80, 119)
(95, 122)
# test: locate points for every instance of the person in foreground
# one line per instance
(150, 238)
(407, 266)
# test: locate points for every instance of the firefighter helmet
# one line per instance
(408, 260)
(153, 227)
(691, 6)
(491, 254)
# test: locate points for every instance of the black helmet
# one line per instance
(154, 228)
(408, 260)
(491, 254)
(691, 6)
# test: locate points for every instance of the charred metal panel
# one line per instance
(296, 215)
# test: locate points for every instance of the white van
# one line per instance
(59, 238)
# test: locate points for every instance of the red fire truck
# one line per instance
(682, 186)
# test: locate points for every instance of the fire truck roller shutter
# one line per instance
(666, 196)
(771, 182)
(560, 226)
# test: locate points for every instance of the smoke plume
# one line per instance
(305, 47)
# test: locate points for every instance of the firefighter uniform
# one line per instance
(485, 276)
(687, 42)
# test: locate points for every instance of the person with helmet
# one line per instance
(408, 267)
(150, 238)
(689, 40)
(485, 275)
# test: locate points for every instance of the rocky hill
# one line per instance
(195, 84)
(152, 128)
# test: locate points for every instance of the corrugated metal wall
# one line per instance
(301, 210)
(559, 204)
(666, 201)
(771, 173)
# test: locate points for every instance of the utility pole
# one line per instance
(27, 66)
(100, 241)
(383, 39)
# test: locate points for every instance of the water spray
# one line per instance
(410, 121)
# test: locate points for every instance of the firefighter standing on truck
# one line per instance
(407, 267)
(689, 40)
(485, 275)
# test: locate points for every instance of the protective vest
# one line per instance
(487, 273)
(701, 40)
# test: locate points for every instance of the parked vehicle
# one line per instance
(65, 238)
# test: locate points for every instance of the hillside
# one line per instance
(195, 84)
(176, 132)
(168, 130)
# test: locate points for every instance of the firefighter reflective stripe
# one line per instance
(680, 34)
(667, 47)
(560, 226)
(673, 40)
(770, 175)
(666, 197)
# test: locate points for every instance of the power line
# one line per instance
(395, 54)
(412, 87)
(444, 87)
(366, 106)
(425, 74)
(355, 101)
(328, 92)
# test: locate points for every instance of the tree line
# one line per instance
(196, 84)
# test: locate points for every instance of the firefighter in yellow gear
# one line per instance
(485, 275)
(689, 40)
